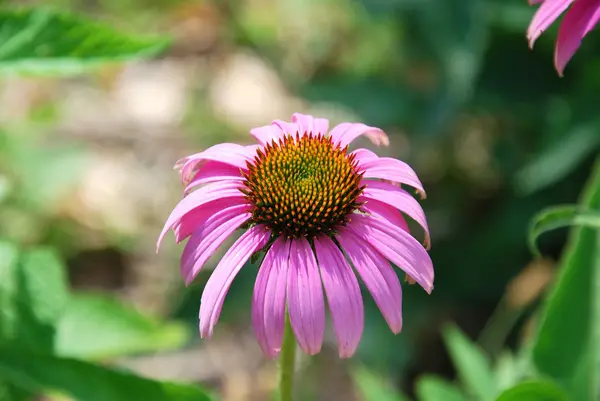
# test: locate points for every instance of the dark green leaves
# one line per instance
(569, 323)
(39, 317)
(85, 381)
(43, 41)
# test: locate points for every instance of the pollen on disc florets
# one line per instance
(302, 186)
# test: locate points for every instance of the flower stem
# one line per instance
(288, 357)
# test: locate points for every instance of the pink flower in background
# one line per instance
(319, 213)
(582, 17)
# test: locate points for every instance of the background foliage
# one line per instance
(100, 97)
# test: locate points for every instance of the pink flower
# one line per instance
(581, 18)
(318, 213)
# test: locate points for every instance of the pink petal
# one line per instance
(268, 302)
(398, 246)
(398, 198)
(305, 297)
(190, 223)
(209, 236)
(344, 133)
(387, 168)
(267, 134)
(287, 128)
(308, 124)
(343, 295)
(545, 15)
(581, 18)
(363, 155)
(204, 195)
(229, 153)
(377, 274)
(212, 171)
(219, 282)
(383, 210)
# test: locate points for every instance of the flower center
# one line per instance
(303, 186)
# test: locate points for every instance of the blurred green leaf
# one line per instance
(45, 283)
(431, 388)
(560, 216)
(558, 160)
(567, 320)
(373, 388)
(87, 382)
(505, 371)
(33, 292)
(44, 41)
(457, 32)
(99, 326)
(9, 256)
(534, 391)
(471, 364)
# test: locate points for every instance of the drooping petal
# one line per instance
(545, 15)
(204, 195)
(398, 198)
(268, 301)
(363, 155)
(267, 134)
(344, 133)
(209, 236)
(309, 124)
(581, 18)
(343, 295)
(387, 168)
(305, 297)
(212, 171)
(385, 211)
(398, 246)
(379, 277)
(220, 280)
(287, 128)
(192, 221)
(229, 153)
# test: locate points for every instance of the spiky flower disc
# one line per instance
(302, 187)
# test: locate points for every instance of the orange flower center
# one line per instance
(302, 186)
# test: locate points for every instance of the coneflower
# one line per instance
(318, 213)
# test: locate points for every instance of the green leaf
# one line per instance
(560, 216)
(506, 371)
(431, 388)
(99, 327)
(44, 41)
(9, 256)
(564, 340)
(87, 382)
(33, 291)
(471, 364)
(372, 388)
(534, 391)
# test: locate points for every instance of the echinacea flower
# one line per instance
(318, 213)
(582, 17)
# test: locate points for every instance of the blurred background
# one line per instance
(495, 135)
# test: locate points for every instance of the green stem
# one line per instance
(288, 361)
